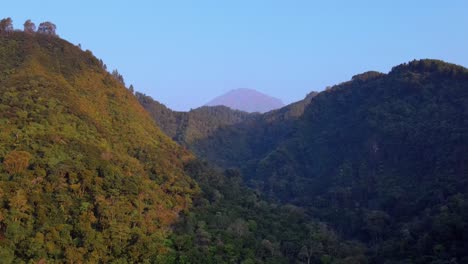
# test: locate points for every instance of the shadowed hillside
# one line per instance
(188, 127)
(381, 158)
(240, 138)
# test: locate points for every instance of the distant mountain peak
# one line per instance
(248, 100)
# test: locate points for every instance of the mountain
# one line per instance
(85, 175)
(247, 100)
(372, 170)
(380, 159)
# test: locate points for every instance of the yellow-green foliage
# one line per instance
(85, 175)
(16, 161)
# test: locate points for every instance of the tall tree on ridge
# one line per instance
(6, 25)
(47, 28)
(29, 26)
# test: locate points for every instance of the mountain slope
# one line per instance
(229, 222)
(240, 138)
(382, 158)
(85, 175)
(247, 100)
(242, 144)
(416, 107)
(188, 127)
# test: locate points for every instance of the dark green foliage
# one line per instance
(381, 158)
(188, 127)
(240, 138)
(233, 224)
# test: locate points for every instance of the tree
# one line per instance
(6, 25)
(16, 161)
(131, 88)
(118, 77)
(29, 27)
(239, 228)
(47, 28)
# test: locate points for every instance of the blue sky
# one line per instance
(184, 53)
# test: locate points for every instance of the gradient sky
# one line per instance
(184, 53)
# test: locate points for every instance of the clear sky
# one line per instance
(184, 53)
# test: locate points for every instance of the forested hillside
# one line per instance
(240, 138)
(381, 158)
(188, 127)
(373, 170)
(85, 175)
(231, 223)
